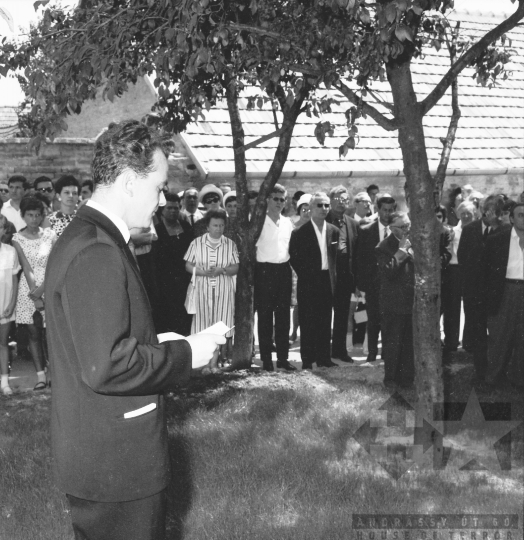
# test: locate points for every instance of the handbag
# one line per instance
(361, 315)
(190, 303)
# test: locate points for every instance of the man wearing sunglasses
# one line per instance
(273, 282)
(313, 251)
(44, 185)
(397, 289)
(4, 192)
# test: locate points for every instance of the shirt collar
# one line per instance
(117, 222)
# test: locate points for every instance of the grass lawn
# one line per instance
(272, 456)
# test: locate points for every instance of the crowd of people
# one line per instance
(321, 256)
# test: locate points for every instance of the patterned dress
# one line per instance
(9, 266)
(215, 296)
(59, 221)
(36, 252)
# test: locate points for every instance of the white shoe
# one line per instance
(7, 391)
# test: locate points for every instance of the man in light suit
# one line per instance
(109, 372)
(313, 254)
(504, 259)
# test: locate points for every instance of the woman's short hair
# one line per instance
(442, 210)
(31, 203)
(3, 221)
(172, 197)
(66, 181)
(215, 214)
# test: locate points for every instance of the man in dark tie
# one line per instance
(368, 281)
(191, 212)
(470, 255)
(504, 258)
(397, 289)
(345, 286)
(108, 425)
(313, 253)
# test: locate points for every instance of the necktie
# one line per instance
(192, 219)
(486, 232)
(386, 232)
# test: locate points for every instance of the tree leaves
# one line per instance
(322, 129)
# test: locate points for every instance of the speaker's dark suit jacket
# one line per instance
(105, 362)
(496, 265)
(397, 277)
(347, 245)
(306, 259)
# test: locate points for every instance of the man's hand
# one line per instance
(203, 347)
(404, 244)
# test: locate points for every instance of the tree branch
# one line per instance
(440, 175)
(265, 138)
(468, 57)
(380, 119)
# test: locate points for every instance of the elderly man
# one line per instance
(17, 189)
(504, 258)
(362, 206)
(470, 255)
(368, 283)
(397, 289)
(273, 282)
(345, 284)
(313, 251)
(191, 212)
(108, 426)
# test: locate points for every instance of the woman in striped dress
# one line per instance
(215, 260)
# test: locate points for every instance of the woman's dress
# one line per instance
(9, 267)
(215, 296)
(36, 252)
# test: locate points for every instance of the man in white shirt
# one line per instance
(191, 211)
(362, 206)
(273, 282)
(504, 258)
(313, 251)
(11, 209)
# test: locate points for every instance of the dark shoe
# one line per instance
(285, 366)
(268, 366)
(306, 365)
(327, 363)
(40, 386)
(371, 357)
(345, 358)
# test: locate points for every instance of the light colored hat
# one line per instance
(228, 195)
(210, 188)
(304, 199)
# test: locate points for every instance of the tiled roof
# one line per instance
(8, 122)
(490, 136)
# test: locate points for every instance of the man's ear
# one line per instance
(127, 180)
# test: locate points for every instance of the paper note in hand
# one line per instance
(218, 328)
(169, 336)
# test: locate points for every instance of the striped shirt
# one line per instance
(203, 253)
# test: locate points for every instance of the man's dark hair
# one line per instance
(67, 180)
(172, 197)
(509, 205)
(18, 178)
(31, 203)
(385, 200)
(494, 201)
(516, 205)
(231, 199)
(41, 180)
(252, 194)
(371, 187)
(89, 184)
(442, 210)
(215, 214)
(127, 145)
(297, 195)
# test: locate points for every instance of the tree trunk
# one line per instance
(425, 241)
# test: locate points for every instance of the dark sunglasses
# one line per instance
(278, 199)
(45, 189)
(4, 191)
(212, 200)
(322, 205)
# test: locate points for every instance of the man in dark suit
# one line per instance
(504, 257)
(313, 252)
(109, 372)
(470, 256)
(369, 236)
(397, 288)
(345, 284)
